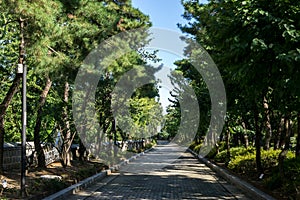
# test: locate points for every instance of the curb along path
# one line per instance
(166, 172)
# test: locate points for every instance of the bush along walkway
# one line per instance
(245, 186)
(280, 181)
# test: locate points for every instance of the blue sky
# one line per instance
(163, 13)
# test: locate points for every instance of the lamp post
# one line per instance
(22, 69)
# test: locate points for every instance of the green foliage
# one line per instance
(87, 172)
(255, 45)
(237, 36)
(149, 145)
(58, 37)
(290, 186)
(172, 121)
(234, 152)
(275, 181)
(49, 185)
(244, 160)
(213, 152)
(9, 46)
(146, 112)
(13, 125)
(193, 144)
(221, 146)
(222, 157)
(240, 151)
(54, 185)
(243, 164)
(163, 135)
(197, 148)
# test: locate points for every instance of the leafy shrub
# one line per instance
(244, 161)
(274, 181)
(292, 173)
(154, 142)
(193, 144)
(222, 146)
(235, 151)
(270, 158)
(49, 185)
(149, 146)
(213, 152)
(240, 151)
(197, 148)
(87, 172)
(205, 150)
(222, 157)
(291, 184)
(54, 185)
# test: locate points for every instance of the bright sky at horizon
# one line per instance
(164, 14)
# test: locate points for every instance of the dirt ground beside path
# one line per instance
(37, 187)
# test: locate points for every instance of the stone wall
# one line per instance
(12, 155)
(12, 158)
(51, 156)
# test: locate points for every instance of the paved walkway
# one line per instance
(166, 172)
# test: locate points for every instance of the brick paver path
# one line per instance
(163, 173)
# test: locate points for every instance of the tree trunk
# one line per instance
(114, 131)
(284, 152)
(228, 144)
(81, 130)
(2, 133)
(283, 134)
(268, 124)
(235, 139)
(3, 107)
(277, 141)
(82, 151)
(246, 140)
(67, 136)
(258, 136)
(37, 128)
(298, 137)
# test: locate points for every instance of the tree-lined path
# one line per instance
(166, 172)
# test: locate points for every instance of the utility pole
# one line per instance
(22, 69)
